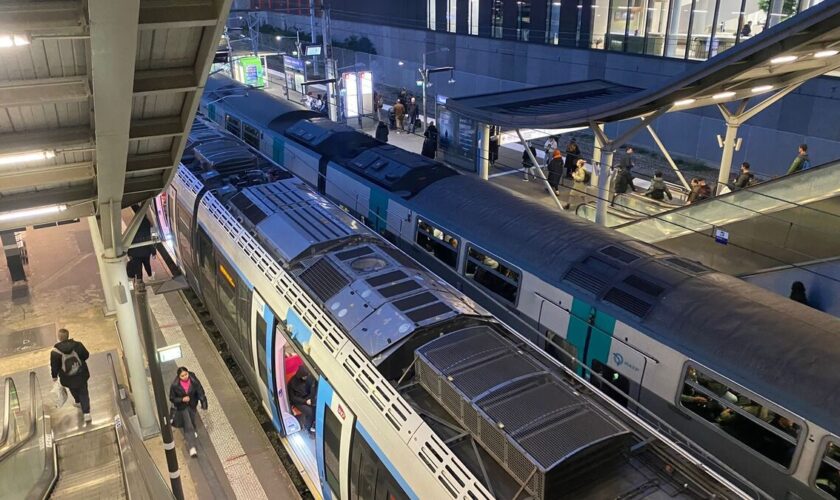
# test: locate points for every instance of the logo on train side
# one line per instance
(341, 412)
(619, 360)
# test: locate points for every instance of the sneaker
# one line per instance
(312, 429)
(87, 417)
(193, 452)
(196, 434)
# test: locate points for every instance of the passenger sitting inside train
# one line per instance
(302, 390)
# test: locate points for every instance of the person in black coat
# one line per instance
(572, 156)
(430, 141)
(623, 182)
(68, 364)
(302, 395)
(527, 166)
(139, 258)
(555, 171)
(185, 393)
(797, 293)
(382, 132)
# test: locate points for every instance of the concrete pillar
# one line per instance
(483, 159)
(728, 152)
(100, 252)
(130, 338)
(604, 191)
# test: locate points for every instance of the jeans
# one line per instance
(187, 417)
(81, 396)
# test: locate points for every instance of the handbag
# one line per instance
(59, 394)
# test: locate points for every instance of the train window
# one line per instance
(741, 416)
(615, 380)
(369, 478)
(493, 275)
(438, 243)
(827, 477)
(233, 125)
(207, 265)
(332, 448)
(244, 302)
(226, 283)
(251, 135)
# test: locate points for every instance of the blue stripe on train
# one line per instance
(270, 319)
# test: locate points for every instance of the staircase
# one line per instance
(89, 466)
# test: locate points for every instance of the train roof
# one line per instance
(782, 350)
(261, 108)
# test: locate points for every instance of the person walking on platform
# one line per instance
(430, 141)
(623, 181)
(382, 132)
(555, 171)
(744, 178)
(527, 166)
(572, 156)
(577, 195)
(399, 114)
(548, 148)
(413, 114)
(627, 160)
(703, 190)
(68, 365)
(658, 190)
(801, 162)
(185, 393)
(302, 395)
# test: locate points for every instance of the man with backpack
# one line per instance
(68, 363)
(801, 162)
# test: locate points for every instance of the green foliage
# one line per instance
(788, 7)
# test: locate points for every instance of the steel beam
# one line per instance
(48, 175)
(47, 197)
(160, 81)
(156, 128)
(162, 14)
(42, 140)
(20, 16)
(148, 162)
(43, 91)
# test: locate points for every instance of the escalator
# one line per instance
(784, 221)
(105, 461)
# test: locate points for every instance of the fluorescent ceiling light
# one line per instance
(782, 59)
(32, 212)
(684, 102)
(825, 53)
(761, 88)
(723, 95)
(13, 40)
(24, 157)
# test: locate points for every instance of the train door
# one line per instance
(553, 321)
(333, 435)
(286, 364)
(262, 322)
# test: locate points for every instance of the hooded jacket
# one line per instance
(68, 346)
(658, 190)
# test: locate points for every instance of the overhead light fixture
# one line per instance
(761, 88)
(723, 95)
(25, 157)
(14, 40)
(295, 53)
(451, 80)
(32, 212)
(278, 37)
(826, 53)
(684, 102)
(782, 59)
(400, 63)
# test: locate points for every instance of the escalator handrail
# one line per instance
(8, 388)
(724, 198)
(34, 391)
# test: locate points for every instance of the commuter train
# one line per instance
(746, 374)
(420, 392)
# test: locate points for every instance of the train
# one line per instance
(744, 373)
(419, 392)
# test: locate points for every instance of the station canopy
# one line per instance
(803, 47)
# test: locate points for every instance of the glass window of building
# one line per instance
(617, 24)
(730, 24)
(778, 10)
(472, 18)
(678, 21)
(655, 26)
(430, 14)
(703, 28)
(600, 16)
(523, 20)
(497, 19)
(451, 15)
(552, 23)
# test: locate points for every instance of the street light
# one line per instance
(425, 71)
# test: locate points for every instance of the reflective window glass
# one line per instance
(472, 19)
(493, 275)
(730, 24)
(442, 245)
(656, 24)
(523, 20)
(827, 480)
(600, 15)
(740, 416)
(755, 18)
(702, 29)
(779, 10)
(620, 17)
(675, 42)
(552, 23)
(430, 14)
(451, 15)
(497, 19)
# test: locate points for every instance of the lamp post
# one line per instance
(425, 71)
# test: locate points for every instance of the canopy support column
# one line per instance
(99, 250)
(484, 153)
(539, 170)
(668, 158)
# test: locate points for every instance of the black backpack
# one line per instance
(71, 364)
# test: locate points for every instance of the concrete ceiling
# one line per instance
(107, 91)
